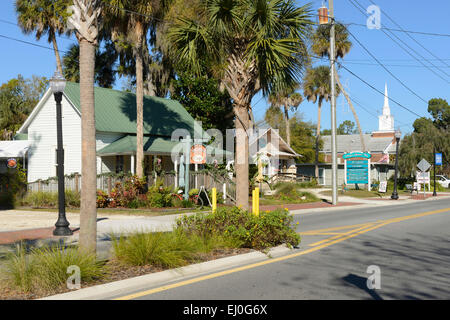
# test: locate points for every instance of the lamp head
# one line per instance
(398, 134)
(57, 83)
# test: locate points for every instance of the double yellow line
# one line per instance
(360, 229)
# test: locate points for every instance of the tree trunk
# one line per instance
(319, 109)
(140, 33)
(58, 59)
(288, 126)
(353, 111)
(139, 116)
(241, 157)
(88, 208)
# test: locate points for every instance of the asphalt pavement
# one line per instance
(409, 244)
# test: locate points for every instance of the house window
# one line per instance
(119, 164)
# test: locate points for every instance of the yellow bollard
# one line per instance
(257, 201)
(253, 202)
(214, 199)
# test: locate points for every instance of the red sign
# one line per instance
(198, 154)
(11, 163)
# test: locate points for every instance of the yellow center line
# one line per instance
(341, 235)
(330, 242)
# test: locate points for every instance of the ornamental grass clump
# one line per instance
(45, 269)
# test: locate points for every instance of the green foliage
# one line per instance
(46, 268)
(159, 196)
(105, 59)
(12, 186)
(44, 199)
(347, 127)
(18, 97)
(201, 97)
(164, 249)
(125, 193)
(429, 135)
(302, 133)
(289, 193)
(243, 228)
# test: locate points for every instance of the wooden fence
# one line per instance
(107, 183)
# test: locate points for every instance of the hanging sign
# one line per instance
(438, 159)
(198, 154)
(11, 163)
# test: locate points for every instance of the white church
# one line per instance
(380, 144)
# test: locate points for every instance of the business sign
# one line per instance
(11, 163)
(198, 154)
(357, 155)
(382, 187)
(423, 177)
(357, 171)
(438, 159)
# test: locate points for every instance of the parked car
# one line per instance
(443, 181)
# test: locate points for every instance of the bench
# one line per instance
(410, 188)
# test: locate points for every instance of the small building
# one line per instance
(380, 144)
(115, 123)
(276, 154)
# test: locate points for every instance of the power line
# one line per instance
(411, 37)
(358, 7)
(387, 65)
(371, 86)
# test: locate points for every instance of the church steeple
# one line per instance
(386, 121)
(386, 109)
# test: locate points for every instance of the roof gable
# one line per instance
(115, 111)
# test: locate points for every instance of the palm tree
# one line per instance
(131, 20)
(317, 87)
(249, 46)
(84, 21)
(44, 17)
(321, 47)
(289, 100)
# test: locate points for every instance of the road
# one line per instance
(409, 243)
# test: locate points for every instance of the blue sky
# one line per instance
(19, 58)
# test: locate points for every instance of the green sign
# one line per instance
(357, 155)
(357, 171)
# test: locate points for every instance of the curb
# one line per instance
(122, 287)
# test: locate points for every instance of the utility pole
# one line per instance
(333, 108)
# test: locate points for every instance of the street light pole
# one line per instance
(394, 195)
(57, 84)
(333, 107)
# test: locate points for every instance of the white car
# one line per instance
(443, 181)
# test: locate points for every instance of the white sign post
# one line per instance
(423, 176)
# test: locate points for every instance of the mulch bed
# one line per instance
(116, 272)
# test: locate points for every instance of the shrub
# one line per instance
(159, 196)
(243, 228)
(44, 199)
(124, 193)
(102, 199)
(12, 186)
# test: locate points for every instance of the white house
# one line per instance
(115, 122)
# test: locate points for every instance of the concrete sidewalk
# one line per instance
(21, 222)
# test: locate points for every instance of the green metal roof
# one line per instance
(153, 145)
(115, 111)
(21, 136)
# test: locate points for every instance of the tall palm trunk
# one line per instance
(241, 160)
(58, 58)
(319, 109)
(353, 111)
(288, 126)
(139, 103)
(88, 209)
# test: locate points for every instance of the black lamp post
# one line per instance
(57, 84)
(398, 135)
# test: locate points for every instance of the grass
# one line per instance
(288, 193)
(46, 269)
(356, 193)
(165, 249)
